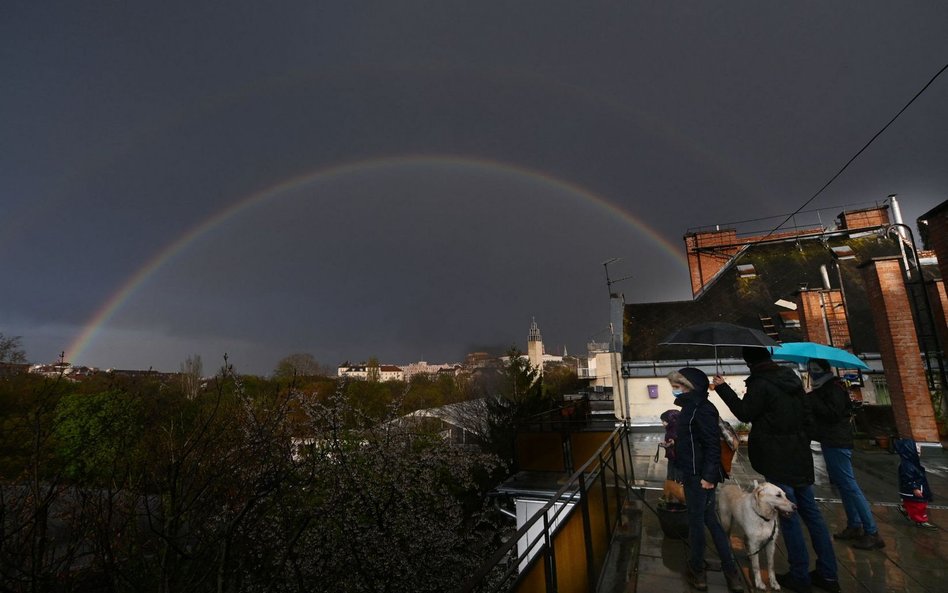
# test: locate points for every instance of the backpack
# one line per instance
(729, 444)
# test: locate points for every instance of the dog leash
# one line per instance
(773, 530)
(773, 533)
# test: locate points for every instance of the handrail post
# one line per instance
(615, 476)
(550, 561)
(587, 533)
(605, 495)
(630, 468)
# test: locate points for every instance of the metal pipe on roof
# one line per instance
(824, 273)
(897, 213)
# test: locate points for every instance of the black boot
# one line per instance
(697, 579)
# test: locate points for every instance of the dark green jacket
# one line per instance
(778, 446)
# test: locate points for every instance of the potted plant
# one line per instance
(743, 430)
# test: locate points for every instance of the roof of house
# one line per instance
(740, 294)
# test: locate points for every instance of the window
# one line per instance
(746, 271)
(881, 389)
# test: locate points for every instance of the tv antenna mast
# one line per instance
(609, 281)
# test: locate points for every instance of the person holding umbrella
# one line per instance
(831, 409)
(779, 449)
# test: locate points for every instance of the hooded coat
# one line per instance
(778, 445)
(831, 410)
(911, 473)
(698, 443)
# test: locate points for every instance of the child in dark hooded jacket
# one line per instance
(913, 483)
(669, 420)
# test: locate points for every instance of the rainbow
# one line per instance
(132, 283)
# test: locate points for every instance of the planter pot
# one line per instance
(883, 442)
(673, 518)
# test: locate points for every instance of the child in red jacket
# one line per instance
(913, 484)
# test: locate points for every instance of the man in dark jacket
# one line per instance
(779, 449)
(831, 410)
(698, 458)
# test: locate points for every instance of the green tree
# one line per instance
(249, 486)
(299, 365)
(560, 380)
(38, 540)
(373, 372)
(513, 397)
(95, 433)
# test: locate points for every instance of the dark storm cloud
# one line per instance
(126, 125)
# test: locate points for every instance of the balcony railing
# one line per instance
(563, 547)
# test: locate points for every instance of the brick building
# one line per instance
(857, 285)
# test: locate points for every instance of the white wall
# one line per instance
(528, 545)
(646, 411)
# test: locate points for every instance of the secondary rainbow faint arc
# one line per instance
(133, 282)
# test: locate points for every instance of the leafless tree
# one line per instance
(11, 350)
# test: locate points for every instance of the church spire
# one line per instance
(534, 335)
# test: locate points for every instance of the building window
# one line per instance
(746, 271)
(881, 389)
(843, 252)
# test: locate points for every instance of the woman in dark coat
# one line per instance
(698, 458)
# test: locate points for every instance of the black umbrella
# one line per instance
(716, 334)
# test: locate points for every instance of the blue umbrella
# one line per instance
(804, 351)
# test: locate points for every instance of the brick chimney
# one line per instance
(867, 217)
(898, 345)
(823, 317)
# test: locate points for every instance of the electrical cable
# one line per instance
(861, 150)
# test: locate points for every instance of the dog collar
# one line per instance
(757, 506)
(773, 534)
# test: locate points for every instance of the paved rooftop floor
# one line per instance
(913, 560)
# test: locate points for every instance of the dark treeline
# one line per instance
(293, 483)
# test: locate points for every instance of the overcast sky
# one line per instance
(417, 179)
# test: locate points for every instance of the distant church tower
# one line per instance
(535, 346)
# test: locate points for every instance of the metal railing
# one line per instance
(563, 546)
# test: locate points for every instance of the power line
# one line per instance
(861, 150)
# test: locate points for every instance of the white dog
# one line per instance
(756, 512)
